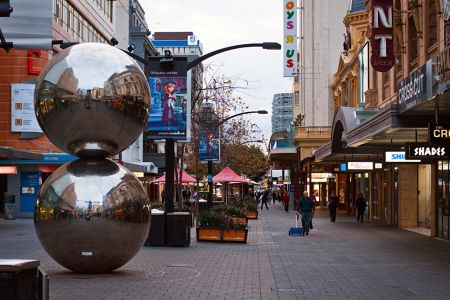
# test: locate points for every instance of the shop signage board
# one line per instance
(290, 28)
(427, 152)
(441, 72)
(398, 157)
(359, 165)
(23, 118)
(439, 134)
(170, 109)
(416, 88)
(381, 40)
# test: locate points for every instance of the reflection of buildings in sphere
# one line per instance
(92, 100)
(92, 216)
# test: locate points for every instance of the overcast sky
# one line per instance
(219, 24)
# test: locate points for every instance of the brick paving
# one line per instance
(342, 260)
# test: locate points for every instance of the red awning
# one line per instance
(228, 175)
(186, 178)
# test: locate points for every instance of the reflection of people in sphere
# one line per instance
(168, 116)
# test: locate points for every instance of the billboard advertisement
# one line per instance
(209, 144)
(170, 108)
(382, 37)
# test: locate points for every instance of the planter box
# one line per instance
(235, 235)
(251, 214)
(209, 234)
(205, 234)
(240, 220)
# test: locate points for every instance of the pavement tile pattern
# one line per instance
(342, 260)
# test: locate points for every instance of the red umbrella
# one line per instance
(186, 178)
(228, 175)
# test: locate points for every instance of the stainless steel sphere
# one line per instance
(92, 215)
(92, 100)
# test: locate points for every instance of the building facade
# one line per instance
(28, 155)
(282, 111)
(381, 116)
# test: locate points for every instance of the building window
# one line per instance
(412, 42)
(432, 25)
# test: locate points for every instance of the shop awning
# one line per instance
(11, 153)
(39, 158)
(228, 175)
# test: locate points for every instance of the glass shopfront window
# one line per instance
(443, 199)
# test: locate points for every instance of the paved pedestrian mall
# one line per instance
(342, 260)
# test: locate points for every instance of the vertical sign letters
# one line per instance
(382, 43)
(290, 38)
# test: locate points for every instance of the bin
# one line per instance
(10, 206)
(156, 231)
(18, 279)
(178, 229)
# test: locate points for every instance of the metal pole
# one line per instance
(170, 169)
(210, 185)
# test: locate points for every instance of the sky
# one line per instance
(219, 24)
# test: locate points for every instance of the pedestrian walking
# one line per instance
(361, 207)
(274, 196)
(264, 199)
(305, 207)
(332, 205)
(286, 200)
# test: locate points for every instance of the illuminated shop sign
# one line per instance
(382, 42)
(426, 151)
(397, 157)
(439, 135)
(378, 166)
(360, 165)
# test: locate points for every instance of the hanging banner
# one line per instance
(290, 48)
(209, 144)
(170, 109)
(381, 40)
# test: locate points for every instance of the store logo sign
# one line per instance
(382, 42)
(397, 157)
(290, 16)
(439, 135)
(360, 165)
(425, 151)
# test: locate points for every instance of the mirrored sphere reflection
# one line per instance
(92, 216)
(92, 100)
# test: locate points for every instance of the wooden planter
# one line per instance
(251, 214)
(205, 234)
(209, 234)
(240, 220)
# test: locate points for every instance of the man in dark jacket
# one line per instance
(264, 199)
(305, 207)
(361, 207)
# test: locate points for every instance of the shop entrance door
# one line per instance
(424, 199)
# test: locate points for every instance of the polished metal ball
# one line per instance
(92, 100)
(92, 215)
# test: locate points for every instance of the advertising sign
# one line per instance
(381, 40)
(30, 183)
(23, 118)
(398, 157)
(170, 109)
(209, 144)
(290, 49)
(416, 88)
(360, 165)
(426, 151)
(439, 135)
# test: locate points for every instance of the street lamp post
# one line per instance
(210, 182)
